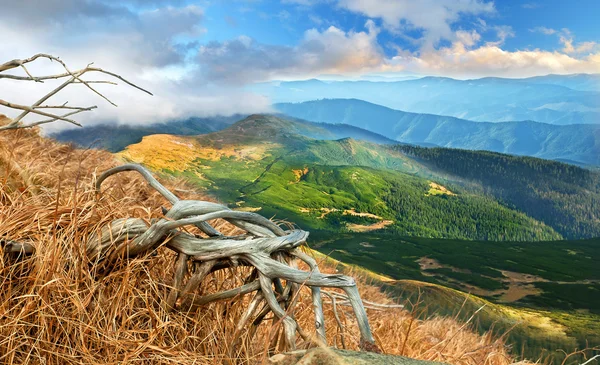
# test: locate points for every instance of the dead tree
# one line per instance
(270, 251)
(53, 112)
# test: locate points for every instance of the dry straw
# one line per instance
(55, 309)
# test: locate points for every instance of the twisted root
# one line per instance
(266, 247)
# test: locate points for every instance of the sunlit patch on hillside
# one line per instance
(298, 173)
(370, 227)
(175, 153)
(437, 189)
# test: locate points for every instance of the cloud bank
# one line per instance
(162, 46)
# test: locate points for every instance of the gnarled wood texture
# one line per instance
(268, 248)
(39, 108)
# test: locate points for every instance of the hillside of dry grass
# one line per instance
(54, 310)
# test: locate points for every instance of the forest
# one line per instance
(568, 201)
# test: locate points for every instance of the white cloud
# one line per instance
(244, 60)
(433, 17)
(543, 30)
(487, 60)
(566, 38)
(503, 32)
(141, 47)
(468, 39)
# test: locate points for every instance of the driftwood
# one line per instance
(269, 250)
(44, 110)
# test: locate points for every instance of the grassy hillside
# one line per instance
(115, 138)
(56, 311)
(547, 293)
(579, 143)
(362, 200)
(343, 185)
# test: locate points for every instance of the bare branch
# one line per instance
(17, 63)
(34, 111)
(33, 124)
(73, 77)
(64, 106)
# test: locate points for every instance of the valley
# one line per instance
(546, 294)
(255, 160)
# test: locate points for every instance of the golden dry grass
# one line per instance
(54, 311)
(176, 153)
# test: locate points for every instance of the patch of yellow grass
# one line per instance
(4, 119)
(176, 153)
(437, 189)
(299, 173)
(370, 227)
(248, 209)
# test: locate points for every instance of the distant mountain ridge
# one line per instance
(582, 82)
(576, 143)
(115, 138)
(553, 99)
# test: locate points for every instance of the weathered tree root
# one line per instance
(16, 251)
(266, 247)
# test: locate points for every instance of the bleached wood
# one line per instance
(268, 248)
(73, 77)
(316, 295)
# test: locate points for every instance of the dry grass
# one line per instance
(53, 310)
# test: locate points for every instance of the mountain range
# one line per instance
(115, 138)
(577, 143)
(553, 99)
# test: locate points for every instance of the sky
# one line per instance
(199, 57)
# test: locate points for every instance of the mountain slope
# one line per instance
(360, 200)
(115, 138)
(545, 294)
(578, 143)
(332, 184)
(73, 316)
(488, 99)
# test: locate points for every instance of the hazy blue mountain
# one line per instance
(577, 143)
(330, 131)
(583, 82)
(115, 138)
(546, 99)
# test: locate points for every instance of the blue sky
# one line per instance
(199, 56)
(284, 23)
